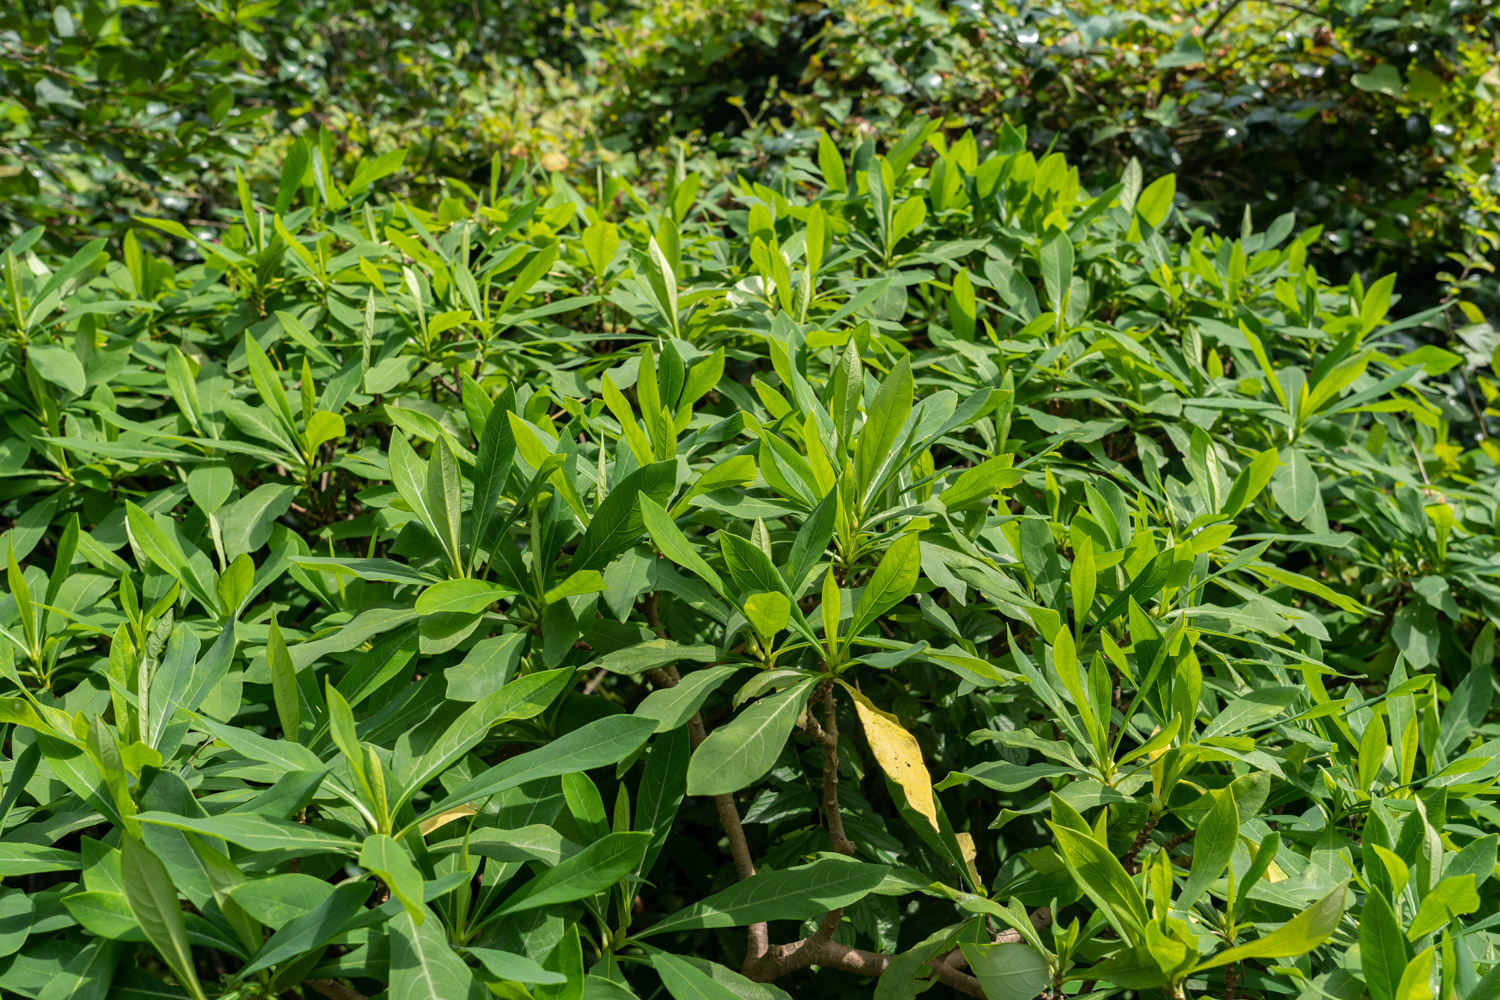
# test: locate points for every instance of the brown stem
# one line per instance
(334, 990)
(1231, 980)
(1177, 840)
(765, 961)
(758, 939)
(1040, 917)
(828, 736)
(653, 614)
(822, 950)
(1140, 841)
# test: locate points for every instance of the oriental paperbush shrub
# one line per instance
(920, 572)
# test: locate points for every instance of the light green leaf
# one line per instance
(741, 752)
(1008, 971)
(1298, 936)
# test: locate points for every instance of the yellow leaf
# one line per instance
(970, 852)
(898, 754)
(445, 817)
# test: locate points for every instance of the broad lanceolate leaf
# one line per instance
(891, 583)
(744, 749)
(617, 524)
(1009, 971)
(591, 870)
(424, 965)
(898, 754)
(1102, 878)
(597, 744)
(153, 900)
(1299, 935)
(793, 894)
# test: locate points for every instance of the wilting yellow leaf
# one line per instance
(444, 818)
(898, 754)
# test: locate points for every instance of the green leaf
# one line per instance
(497, 451)
(257, 832)
(1451, 898)
(674, 544)
(887, 415)
(591, 870)
(409, 475)
(672, 707)
(1218, 832)
(1056, 259)
(1102, 878)
(977, 485)
(596, 744)
(322, 427)
(465, 597)
(961, 314)
(1416, 981)
(600, 241)
(1008, 971)
(1298, 936)
(663, 283)
(792, 894)
(892, 582)
(248, 521)
(385, 857)
(314, 929)
(1156, 200)
(525, 697)
(152, 898)
(1383, 951)
(443, 502)
(1250, 482)
(424, 965)
(59, 366)
(618, 523)
(584, 581)
(740, 753)
(768, 613)
(1294, 487)
(284, 684)
(268, 384)
(513, 968)
(685, 981)
(831, 164)
(1382, 79)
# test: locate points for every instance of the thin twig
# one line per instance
(1213, 26)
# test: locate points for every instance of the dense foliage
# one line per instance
(382, 587)
(795, 562)
(1376, 120)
